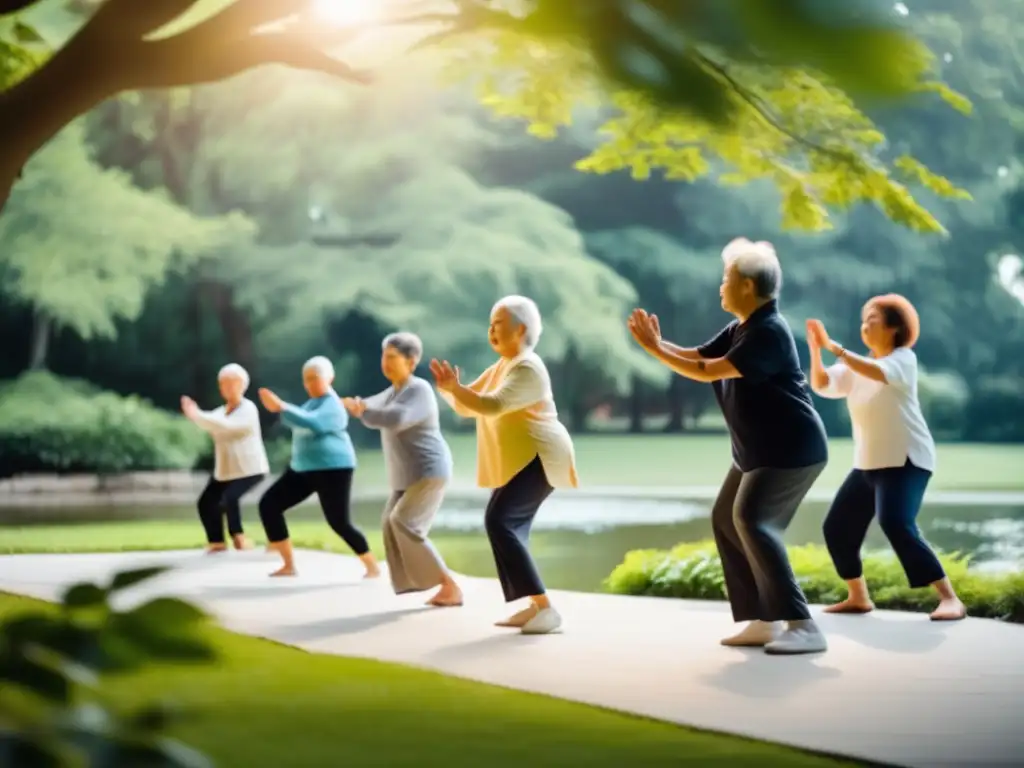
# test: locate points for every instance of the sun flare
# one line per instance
(346, 12)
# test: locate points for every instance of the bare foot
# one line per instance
(241, 542)
(372, 573)
(849, 605)
(518, 620)
(284, 570)
(949, 610)
(213, 549)
(446, 597)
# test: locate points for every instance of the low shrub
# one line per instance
(54, 425)
(694, 571)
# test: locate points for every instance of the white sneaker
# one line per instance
(545, 622)
(755, 635)
(799, 637)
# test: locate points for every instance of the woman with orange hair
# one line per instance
(894, 453)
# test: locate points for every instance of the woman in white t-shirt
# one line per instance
(894, 453)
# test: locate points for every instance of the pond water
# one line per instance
(578, 541)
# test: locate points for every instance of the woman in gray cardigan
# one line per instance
(419, 466)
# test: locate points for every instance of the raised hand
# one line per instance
(270, 401)
(188, 406)
(354, 405)
(446, 376)
(645, 329)
(817, 336)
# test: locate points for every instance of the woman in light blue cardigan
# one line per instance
(323, 461)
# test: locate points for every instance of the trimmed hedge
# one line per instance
(54, 425)
(694, 571)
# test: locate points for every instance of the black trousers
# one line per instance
(334, 489)
(749, 519)
(894, 495)
(508, 518)
(220, 499)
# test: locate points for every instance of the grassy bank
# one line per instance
(702, 460)
(694, 571)
(263, 704)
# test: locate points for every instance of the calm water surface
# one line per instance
(578, 542)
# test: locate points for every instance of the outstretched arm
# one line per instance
(413, 405)
(522, 387)
(328, 416)
(233, 425)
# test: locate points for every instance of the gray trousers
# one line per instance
(413, 562)
(749, 519)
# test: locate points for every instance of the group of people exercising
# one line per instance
(779, 448)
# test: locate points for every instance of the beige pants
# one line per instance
(414, 563)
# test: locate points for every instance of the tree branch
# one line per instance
(133, 20)
(177, 61)
(13, 6)
(766, 114)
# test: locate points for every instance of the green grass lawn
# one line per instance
(685, 460)
(264, 704)
(163, 535)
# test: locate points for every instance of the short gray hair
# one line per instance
(323, 367)
(407, 344)
(525, 312)
(757, 262)
(234, 370)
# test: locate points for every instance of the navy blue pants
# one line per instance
(508, 519)
(894, 495)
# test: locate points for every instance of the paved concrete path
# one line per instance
(893, 688)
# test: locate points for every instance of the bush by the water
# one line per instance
(49, 424)
(694, 571)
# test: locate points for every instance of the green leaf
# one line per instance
(32, 674)
(165, 628)
(155, 717)
(21, 750)
(26, 34)
(166, 612)
(161, 753)
(84, 596)
(126, 579)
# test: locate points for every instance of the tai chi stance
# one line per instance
(419, 466)
(779, 446)
(323, 461)
(894, 453)
(240, 460)
(523, 451)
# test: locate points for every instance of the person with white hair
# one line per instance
(523, 451)
(779, 446)
(419, 466)
(323, 462)
(240, 460)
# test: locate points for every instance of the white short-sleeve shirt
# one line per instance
(888, 425)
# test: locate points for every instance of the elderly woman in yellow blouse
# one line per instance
(523, 451)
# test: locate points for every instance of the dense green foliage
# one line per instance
(53, 666)
(56, 425)
(694, 571)
(363, 225)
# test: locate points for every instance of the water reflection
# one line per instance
(578, 541)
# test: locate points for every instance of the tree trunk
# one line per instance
(235, 325)
(676, 405)
(36, 109)
(42, 327)
(636, 405)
